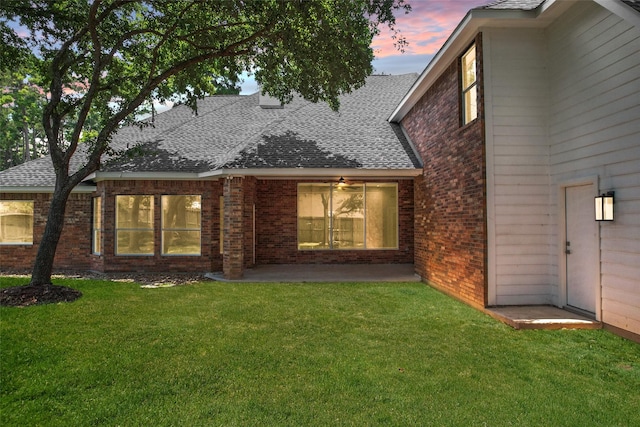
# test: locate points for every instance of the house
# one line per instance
(246, 181)
(483, 172)
(529, 111)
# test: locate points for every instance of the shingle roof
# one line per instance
(35, 173)
(512, 4)
(234, 132)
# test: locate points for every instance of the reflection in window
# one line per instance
(134, 225)
(16, 222)
(97, 226)
(362, 216)
(181, 225)
(469, 86)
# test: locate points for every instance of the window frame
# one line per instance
(470, 89)
(15, 242)
(118, 229)
(164, 229)
(96, 231)
(334, 188)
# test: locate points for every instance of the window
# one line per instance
(134, 225)
(97, 226)
(16, 222)
(181, 217)
(361, 216)
(469, 86)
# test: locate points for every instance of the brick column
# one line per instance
(233, 249)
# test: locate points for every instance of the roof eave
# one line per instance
(322, 173)
(269, 173)
(83, 188)
(621, 9)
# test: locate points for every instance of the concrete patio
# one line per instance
(326, 273)
(518, 317)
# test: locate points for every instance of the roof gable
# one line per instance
(504, 13)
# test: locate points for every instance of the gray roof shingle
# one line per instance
(234, 132)
(512, 4)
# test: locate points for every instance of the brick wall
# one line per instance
(234, 227)
(250, 198)
(74, 247)
(210, 258)
(276, 226)
(275, 232)
(450, 197)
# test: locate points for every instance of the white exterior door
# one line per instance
(581, 248)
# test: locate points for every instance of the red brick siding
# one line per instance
(74, 247)
(275, 217)
(210, 258)
(234, 228)
(450, 197)
(276, 226)
(250, 195)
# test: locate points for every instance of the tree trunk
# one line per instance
(43, 265)
(26, 150)
(34, 145)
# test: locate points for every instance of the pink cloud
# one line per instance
(426, 27)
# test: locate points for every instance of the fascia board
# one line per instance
(156, 176)
(322, 173)
(285, 173)
(622, 10)
(45, 189)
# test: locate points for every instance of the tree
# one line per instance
(105, 59)
(21, 105)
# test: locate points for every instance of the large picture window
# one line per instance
(469, 86)
(181, 216)
(16, 222)
(134, 225)
(97, 226)
(339, 216)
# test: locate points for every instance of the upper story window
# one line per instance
(469, 86)
(339, 216)
(16, 222)
(134, 225)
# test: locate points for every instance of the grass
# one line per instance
(301, 354)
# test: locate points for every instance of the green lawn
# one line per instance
(300, 355)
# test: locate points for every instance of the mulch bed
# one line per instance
(23, 296)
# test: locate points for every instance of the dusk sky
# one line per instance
(426, 28)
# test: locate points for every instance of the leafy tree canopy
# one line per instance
(102, 59)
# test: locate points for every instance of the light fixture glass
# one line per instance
(604, 207)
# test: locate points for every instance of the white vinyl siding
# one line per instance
(594, 129)
(562, 106)
(518, 163)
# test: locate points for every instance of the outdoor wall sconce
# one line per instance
(604, 207)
